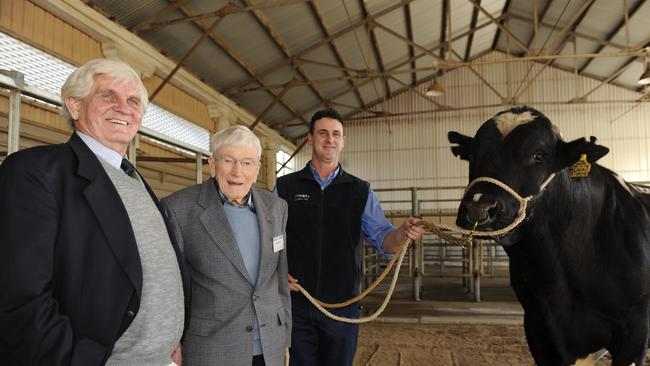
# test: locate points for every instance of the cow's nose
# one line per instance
(483, 211)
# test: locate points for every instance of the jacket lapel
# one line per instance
(216, 224)
(264, 221)
(111, 213)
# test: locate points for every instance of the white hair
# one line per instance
(236, 136)
(80, 83)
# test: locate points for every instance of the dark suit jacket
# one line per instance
(70, 272)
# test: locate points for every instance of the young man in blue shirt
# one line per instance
(329, 212)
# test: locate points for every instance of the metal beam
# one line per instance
(409, 32)
(537, 20)
(470, 38)
(484, 106)
(375, 74)
(577, 34)
(230, 8)
(279, 42)
(315, 8)
(375, 46)
(292, 155)
(501, 26)
(614, 31)
(572, 24)
(167, 10)
(406, 40)
(204, 36)
(326, 40)
(271, 105)
(239, 60)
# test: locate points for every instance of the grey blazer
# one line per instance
(224, 303)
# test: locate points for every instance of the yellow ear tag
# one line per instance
(581, 168)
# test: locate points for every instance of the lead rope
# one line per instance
(436, 230)
(321, 305)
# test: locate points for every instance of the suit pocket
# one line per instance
(281, 316)
(203, 327)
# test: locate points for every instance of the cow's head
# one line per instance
(521, 148)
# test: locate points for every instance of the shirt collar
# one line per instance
(224, 200)
(328, 180)
(109, 155)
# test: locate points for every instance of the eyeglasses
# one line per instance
(246, 164)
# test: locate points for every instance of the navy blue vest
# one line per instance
(324, 233)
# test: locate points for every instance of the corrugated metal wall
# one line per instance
(412, 150)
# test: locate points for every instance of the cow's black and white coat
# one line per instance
(580, 262)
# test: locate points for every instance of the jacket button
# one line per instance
(255, 297)
(130, 314)
(249, 328)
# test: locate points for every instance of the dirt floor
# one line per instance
(447, 328)
(441, 344)
(393, 344)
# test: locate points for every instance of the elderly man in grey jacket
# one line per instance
(233, 238)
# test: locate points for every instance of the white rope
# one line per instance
(521, 213)
(379, 310)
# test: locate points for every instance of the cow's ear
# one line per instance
(570, 152)
(465, 144)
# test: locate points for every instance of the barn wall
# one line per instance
(412, 150)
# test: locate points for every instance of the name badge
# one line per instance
(278, 243)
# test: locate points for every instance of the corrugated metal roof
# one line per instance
(357, 53)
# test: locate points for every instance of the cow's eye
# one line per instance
(539, 157)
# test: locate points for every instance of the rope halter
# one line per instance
(521, 214)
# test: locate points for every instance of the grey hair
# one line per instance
(236, 136)
(79, 84)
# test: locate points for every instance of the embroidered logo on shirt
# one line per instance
(301, 197)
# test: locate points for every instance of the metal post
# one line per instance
(476, 271)
(13, 125)
(133, 146)
(417, 253)
(13, 128)
(199, 168)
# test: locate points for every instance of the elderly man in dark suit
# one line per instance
(88, 272)
(233, 238)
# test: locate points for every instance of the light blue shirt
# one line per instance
(374, 226)
(109, 155)
(243, 222)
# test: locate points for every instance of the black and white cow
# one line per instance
(580, 262)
